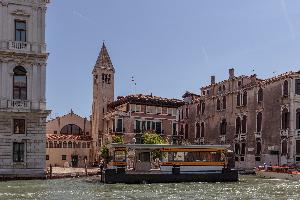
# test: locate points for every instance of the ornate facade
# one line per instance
(259, 118)
(23, 111)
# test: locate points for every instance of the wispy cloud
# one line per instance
(287, 18)
(85, 18)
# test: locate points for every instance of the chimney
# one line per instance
(212, 80)
(231, 73)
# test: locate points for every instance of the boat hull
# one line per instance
(138, 178)
(277, 175)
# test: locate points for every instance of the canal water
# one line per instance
(249, 187)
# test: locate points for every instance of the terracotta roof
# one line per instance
(147, 100)
(70, 113)
(188, 93)
(280, 77)
(224, 81)
(69, 137)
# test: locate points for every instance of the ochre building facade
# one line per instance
(69, 141)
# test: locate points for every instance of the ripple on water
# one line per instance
(249, 187)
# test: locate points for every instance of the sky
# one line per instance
(168, 46)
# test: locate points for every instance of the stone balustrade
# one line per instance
(19, 46)
(18, 104)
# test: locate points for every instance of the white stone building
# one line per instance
(23, 111)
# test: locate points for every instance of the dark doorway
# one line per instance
(74, 160)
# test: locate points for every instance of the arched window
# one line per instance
(283, 147)
(83, 145)
(74, 145)
(260, 95)
(181, 129)
(50, 144)
(285, 119)
(298, 118)
(243, 149)
(245, 98)
(258, 147)
(55, 144)
(70, 144)
(20, 83)
(237, 148)
(59, 144)
(71, 129)
(186, 112)
(79, 145)
(186, 133)
(202, 130)
(220, 89)
(198, 109)
(244, 124)
(197, 130)
(202, 108)
(223, 126)
(224, 102)
(285, 88)
(258, 122)
(238, 99)
(218, 104)
(65, 144)
(224, 87)
(238, 125)
(47, 145)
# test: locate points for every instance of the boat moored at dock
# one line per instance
(278, 172)
(152, 163)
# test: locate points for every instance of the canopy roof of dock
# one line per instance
(160, 146)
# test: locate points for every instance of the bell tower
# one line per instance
(103, 93)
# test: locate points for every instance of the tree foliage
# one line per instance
(104, 152)
(118, 139)
(154, 138)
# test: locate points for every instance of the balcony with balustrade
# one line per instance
(19, 104)
(19, 46)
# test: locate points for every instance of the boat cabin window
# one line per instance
(196, 157)
(120, 156)
(144, 156)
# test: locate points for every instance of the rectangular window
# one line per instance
(158, 127)
(137, 126)
(148, 125)
(19, 126)
(20, 87)
(297, 86)
(158, 110)
(150, 109)
(47, 157)
(297, 147)
(174, 128)
(119, 125)
(20, 31)
(63, 157)
(18, 151)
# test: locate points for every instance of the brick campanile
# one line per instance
(103, 94)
